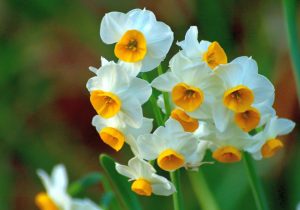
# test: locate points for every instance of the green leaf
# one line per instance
(120, 185)
(82, 184)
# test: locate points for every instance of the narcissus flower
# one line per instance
(139, 37)
(265, 143)
(115, 132)
(144, 177)
(115, 93)
(191, 86)
(56, 197)
(204, 51)
(227, 146)
(170, 145)
(243, 89)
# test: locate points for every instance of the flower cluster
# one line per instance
(211, 103)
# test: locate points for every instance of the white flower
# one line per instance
(227, 145)
(170, 145)
(139, 36)
(114, 131)
(204, 51)
(265, 143)
(243, 89)
(195, 159)
(146, 181)
(114, 92)
(192, 86)
(56, 196)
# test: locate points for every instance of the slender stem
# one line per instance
(255, 184)
(165, 95)
(177, 196)
(290, 13)
(204, 196)
(157, 113)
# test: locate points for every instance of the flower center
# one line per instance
(227, 154)
(105, 103)
(170, 160)
(187, 97)
(215, 55)
(112, 137)
(271, 147)
(248, 119)
(132, 47)
(142, 187)
(188, 123)
(238, 99)
(44, 202)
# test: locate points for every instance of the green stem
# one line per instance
(177, 196)
(204, 196)
(157, 113)
(255, 184)
(290, 13)
(165, 95)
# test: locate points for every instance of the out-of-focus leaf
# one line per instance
(119, 184)
(85, 182)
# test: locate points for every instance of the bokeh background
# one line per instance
(46, 47)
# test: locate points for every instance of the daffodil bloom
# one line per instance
(227, 146)
(145, 180)
(170, 145)
(115, 93)
(265, 143)
(115, 132)
(243, 88)
(56, 197)
(204, 51)
(139, 37)
(192, 87)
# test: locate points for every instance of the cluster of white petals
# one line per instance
(214, 104)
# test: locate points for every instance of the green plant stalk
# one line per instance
(177, 196)
(165, 95)
(255, 184)
(157, 113)
(204, 196)
(290, 14)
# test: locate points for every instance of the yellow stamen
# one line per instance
(142, 187)
(105, 103)
(248, 119)
(188, 123)
(44, 202)
(271, 147)
(132, 47)
(238, 99)
(170, 160)
(112, 137)
(227, 154)
(187, 97)
(215, 55)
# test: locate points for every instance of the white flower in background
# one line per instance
(298, 206)
(170, 145)
(196, 159)
(144, 177)
(227, 146)
(115, 93)
(192, 86)
(243, 88)
(139, 37)
(114, 131)
(56, 197)
(204, 51)
(265, 143)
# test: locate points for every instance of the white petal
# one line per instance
(132, 69)
(221, 116)
(249, 65)
(230, 73)
(145, 128)
(125, 171)
(141, 89)
(47, 182)
(59, 177)
(263, 89)
(132, 112)
(190, 43)
(162, 186)
(141, 20)
(280, 126)
(149, 146)
(140, 167)
(165, 82)
(149, 63)
(113, 26)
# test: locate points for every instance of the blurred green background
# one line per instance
(46, 47)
